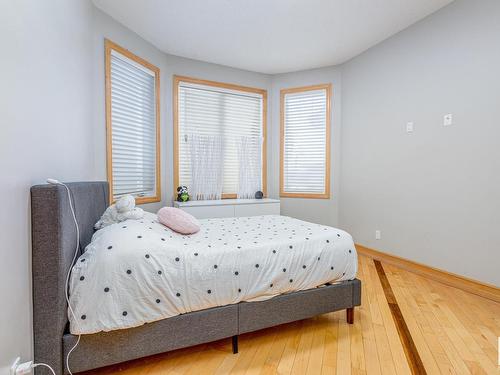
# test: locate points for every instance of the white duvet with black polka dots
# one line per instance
(139, 271)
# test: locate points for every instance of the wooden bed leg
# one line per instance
(350, 315)
(235, 344)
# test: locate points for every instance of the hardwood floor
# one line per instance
(454, 332)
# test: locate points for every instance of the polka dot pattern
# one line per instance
(230, 260)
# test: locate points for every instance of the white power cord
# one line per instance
(56, 182)
(26, 367)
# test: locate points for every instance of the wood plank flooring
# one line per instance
(411, 352)
(454, 332)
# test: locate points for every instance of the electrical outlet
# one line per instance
(18, 368)
(378, 235)
(13, 368)
(24, 368)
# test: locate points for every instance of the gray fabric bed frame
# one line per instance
(53, 244)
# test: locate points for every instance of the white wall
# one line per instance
(45, 107)
(323, 211)
(434, 193)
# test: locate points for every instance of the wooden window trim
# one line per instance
(109, 46)
(176, 81)
(283, 92)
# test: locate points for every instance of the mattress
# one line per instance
(139, 271)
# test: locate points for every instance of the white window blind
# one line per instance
(230, 114)
(304, 143)
(133, 127)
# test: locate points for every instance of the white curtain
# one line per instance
(250, 166)
(207, 178)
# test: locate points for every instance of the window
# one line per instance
(133, 125)
(305, 142)
(219, 132)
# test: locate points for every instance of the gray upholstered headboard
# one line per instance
(53, 245)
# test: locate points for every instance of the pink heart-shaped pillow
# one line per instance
(178, 220)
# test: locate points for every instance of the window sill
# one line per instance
(224, 202)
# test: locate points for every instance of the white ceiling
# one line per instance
(268, 36)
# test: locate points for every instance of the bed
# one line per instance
(245, 274)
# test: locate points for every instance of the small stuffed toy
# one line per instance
(122, 210)
(182, 194)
